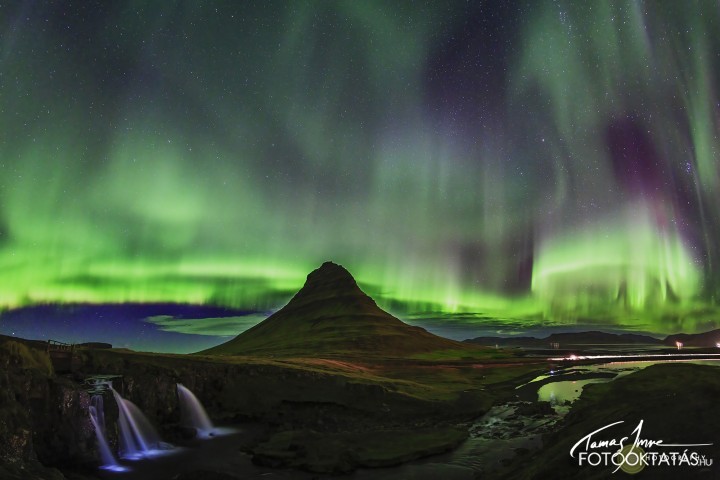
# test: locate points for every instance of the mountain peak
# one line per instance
(331, 315)
(331, 264)
(327, 281)
(329, 271)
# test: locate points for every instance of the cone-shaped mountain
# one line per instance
(332, 315)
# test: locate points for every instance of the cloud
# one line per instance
(223, 326)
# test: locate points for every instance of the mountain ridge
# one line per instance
(569, 338)
(708, 339)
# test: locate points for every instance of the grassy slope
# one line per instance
(679, 403)
(330, 315)
(422, 379)
(23, 366)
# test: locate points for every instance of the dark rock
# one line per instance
(205, 475)
(535, 409)
(43, 418)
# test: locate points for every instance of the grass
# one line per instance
(473, 353)
(422, 379)
(26, 357)
(678, 403)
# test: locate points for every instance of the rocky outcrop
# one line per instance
(43, 418)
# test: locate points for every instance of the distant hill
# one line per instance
(96, 345)
(708, 339)
(43, 344)
(332, 315)
(566, 339)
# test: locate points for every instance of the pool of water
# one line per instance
(220, 453)
(566, 391)
(562, 392)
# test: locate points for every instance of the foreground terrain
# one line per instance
(332, 415)
(316, 410)
(677, 403)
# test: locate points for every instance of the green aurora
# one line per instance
(553, 162)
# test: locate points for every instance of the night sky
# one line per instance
(480, 163)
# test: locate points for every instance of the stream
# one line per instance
(517, 426)
(506, 430)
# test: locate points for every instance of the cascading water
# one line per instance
(192, 413)
(97, 417)
(138, 438)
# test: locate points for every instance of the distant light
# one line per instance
(717, 344)
(679, 345)
(686, 356)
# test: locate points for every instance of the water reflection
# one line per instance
(567, 391)
(562, 392)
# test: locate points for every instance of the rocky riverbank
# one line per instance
(43, 417)
(675, 403)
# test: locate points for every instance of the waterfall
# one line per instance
(97, 417)
(192, 412)
(138, 438)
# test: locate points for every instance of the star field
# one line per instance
(543, 162)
